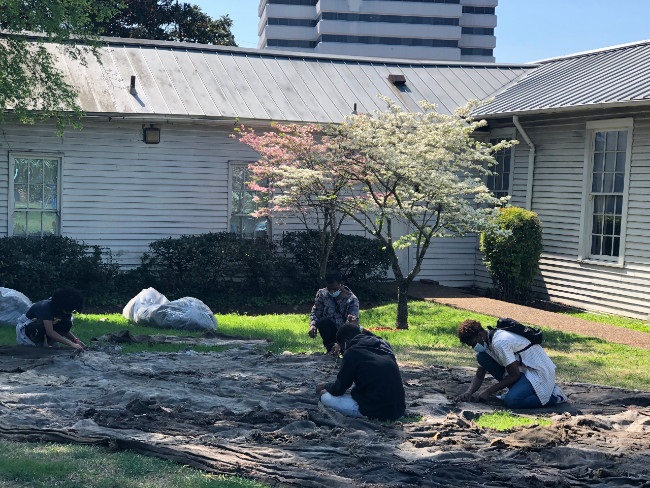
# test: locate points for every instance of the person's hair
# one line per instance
(333, 277)
(68, 299)
(346, 333)
(467, 329)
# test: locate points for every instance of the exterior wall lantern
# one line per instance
(151, 135)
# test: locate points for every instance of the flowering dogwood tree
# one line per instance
(417, 176)
(298, 175)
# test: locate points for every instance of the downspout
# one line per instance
(531, 162)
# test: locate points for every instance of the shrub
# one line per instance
(36, 266)
(212, 267)
(361, 260)
(512, 257)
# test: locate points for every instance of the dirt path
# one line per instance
(248, 412)
(496, 308)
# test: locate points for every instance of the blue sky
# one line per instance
(528, 30)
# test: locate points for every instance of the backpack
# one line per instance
(533, 334)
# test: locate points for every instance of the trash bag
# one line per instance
(152, 308)
(12, 305)
(186, 313)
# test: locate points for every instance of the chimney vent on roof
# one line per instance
(132, 89)
(397, 79)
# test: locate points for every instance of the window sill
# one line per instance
(595, 262)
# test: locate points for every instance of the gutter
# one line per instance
(531, 162)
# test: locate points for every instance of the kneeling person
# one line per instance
(369, 363)
(526, 370)
(49, 321)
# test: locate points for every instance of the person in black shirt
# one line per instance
(369, 363)
(50, 321)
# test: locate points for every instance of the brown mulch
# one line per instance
(529, 315)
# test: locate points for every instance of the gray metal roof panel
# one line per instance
(198, 81)
(616, 75)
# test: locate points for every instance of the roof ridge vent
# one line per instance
(397, 80)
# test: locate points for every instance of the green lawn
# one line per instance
(430, 340)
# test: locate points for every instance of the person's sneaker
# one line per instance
(558, 395)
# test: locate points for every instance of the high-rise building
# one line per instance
(447, 30)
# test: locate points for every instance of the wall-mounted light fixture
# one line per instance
(151, 134)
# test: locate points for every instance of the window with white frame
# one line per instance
(499, 181)
(243, 203)
(35, 189)
(605, 203)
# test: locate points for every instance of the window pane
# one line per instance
(611, 141)
(608, 182)
(617, 226)
(20, 196)
(597, 224)
(610, 162)
(597, 183)
(622, 141)
(610, 204)
(20, 171)
(617, 245)
(607, 245)
(35, 196)
(609, 225)
(599, 204)
(620, 162)
(599, 159)
(50, 223)
(619, 205)
(595, 244)
(36, 171)
(506, 161)
(600, 142)
(20, 223)
(619, 183)
(239, 178)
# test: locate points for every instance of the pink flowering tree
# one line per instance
(417, 176)
(298, 176)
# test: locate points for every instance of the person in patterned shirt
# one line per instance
(334, 306)
(527, 372)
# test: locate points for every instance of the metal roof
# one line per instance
(618, 75)
(218, 82)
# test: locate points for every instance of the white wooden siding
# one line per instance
(120, 193)
(557, 199)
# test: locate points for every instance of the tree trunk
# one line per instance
(402, 305)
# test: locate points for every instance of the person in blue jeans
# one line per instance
(526, 371)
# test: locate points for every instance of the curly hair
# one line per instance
(67, 299)
(469, 328)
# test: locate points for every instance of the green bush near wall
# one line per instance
(224, 271)
(36, 266)
(512, 257)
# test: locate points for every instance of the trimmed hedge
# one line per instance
(36, 266)
(512, 257)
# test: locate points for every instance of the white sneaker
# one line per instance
(559, 395)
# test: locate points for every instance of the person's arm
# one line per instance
(75, 339)
(315, 315)
(353, 309)
(512, 376)
(345, 378)
(54, 335)
(476, 383)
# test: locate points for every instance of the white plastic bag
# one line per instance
(149, 307)
(141, 306)
(12, 305)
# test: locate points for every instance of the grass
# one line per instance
(430, 340)
(73, 466)
(618, 321)
(503, 420)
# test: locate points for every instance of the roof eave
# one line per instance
(572, 108)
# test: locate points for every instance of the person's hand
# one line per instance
(352, 319)
(312, 331)
(320, 389)
(464, 397)
(484, 396)
(77, 346)
(336, 349)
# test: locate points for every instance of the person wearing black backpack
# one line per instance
(334, 306)
(518, 365)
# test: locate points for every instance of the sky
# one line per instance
(528, 30)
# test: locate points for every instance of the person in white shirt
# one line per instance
(526, 371)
